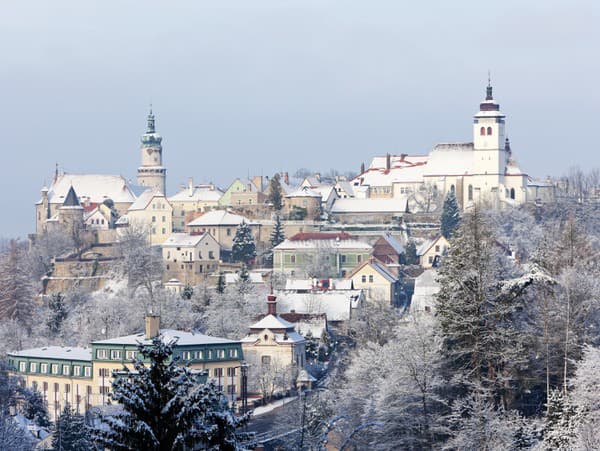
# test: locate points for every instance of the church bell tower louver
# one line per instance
(152, 173)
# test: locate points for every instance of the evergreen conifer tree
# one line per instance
(277, 235)
(450, 215)
(166, 408)
(275, 194)
(35, 408)
(71, 432)
(411, 257)
(244, 248)
(221, 283)
(58, 313)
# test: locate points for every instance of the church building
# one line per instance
(483, 170)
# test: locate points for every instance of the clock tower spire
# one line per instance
(152, 173)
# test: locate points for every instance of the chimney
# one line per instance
(152, 325)
(286, 178)
(388, 162)
(318, 176)
(362, 168)
(191, 187)
(272, 304)
(403, 156)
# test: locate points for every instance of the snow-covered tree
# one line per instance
(584, 397)
(478, 307)
(244, 247)
(450, 215)
(16, 291)
(411, 257)
(12, 436)
(71, 432)
(277, 235)
(165, 407)
(559, 423)
(57, 313)
(221, 283)
(36, 408)
(44, 248)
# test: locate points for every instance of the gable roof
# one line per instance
(183, 239)
(199, 193)
(378, 266)
(393, 242)
(71, 200)
(91, 188)
(423, 248)
(142, 202)
(218, 217)
(304, 191)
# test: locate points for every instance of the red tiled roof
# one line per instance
(305, 236)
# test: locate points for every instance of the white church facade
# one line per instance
(480, 171)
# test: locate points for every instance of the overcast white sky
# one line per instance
(256, 86)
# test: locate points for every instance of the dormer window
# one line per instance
(489, 130)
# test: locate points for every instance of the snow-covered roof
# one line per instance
(91, 188)
(346, 186)
(304, 376)
(450, 159)
(56, 352)
(379, 267)
(168, 335)
(142, 202)
(371, 205)
(309, 284)
(330, 244)
(512, 168)
(182, 239)
(392, 241)
(403, 169)
(272, 322)
(337, 304)
(287, 337)
(426, 287)
(304, 191)
(423, 248)
(218, 217)
(199, 193)
(254, 277)
(324, 190)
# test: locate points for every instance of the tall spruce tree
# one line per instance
(221, 283)
(166, 408)
(57, 313)
(478, 306)
(275, 193)
(277, 235)
(450, 215)
(244, 247)
(71, 432)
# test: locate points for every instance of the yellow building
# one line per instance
(83, 377)
(378, 282)
(430, 252)
(193, 199)
(152, 212)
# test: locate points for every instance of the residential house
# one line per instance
(320, 254)
(338, 305)
(151, 212)
(426, 288)
(222, 225)
(431, 251)
(344, 189)
(83, 377)
(193, 199)
(242, 192)
(354, 210)
(190, 257)
(303, 203)
(378, 282)
(389, 250)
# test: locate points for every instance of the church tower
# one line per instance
(152, 173)
(490, 157)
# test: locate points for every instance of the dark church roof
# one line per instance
(71, 200)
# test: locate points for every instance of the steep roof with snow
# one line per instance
(56, 352)
(142, 202)
(218, 218)
(183, 239)
(337, 305)
(304, 191)
(393, 242)
(272, 322)
(90, 188)
(450, 159)
(403, 169)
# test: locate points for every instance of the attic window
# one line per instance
(266, 337)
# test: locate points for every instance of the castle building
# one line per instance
(152, 173)
(483, 170)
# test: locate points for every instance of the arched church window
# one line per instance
(512, 193)
(482, 131)
(489, 130)
(470, 192)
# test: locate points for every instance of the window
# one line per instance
(44, 387)
(32, 367)
(44, 368)
(470, 192)
(186, 355)
(164, 219)
(56, 387)
(211, 255)
(293, 259)
(102, 354)
(265, 359)
(76, 370)
(231, 389)
(228, 232)
(430, 259)
(437, 247)
(231, 372)
(103, 390)
(359, 258)
(371, 278)
(67, 388)
(153, 218)
(221, 353)
(489, 130)
(233, 353)
(512, 193)
(482, 131)
(343, 258)
(22, 367)
(363, 279)
(218, 372)
(130, 355)
(65, 370)
(103, 372)
(164, 230)
(87, 371)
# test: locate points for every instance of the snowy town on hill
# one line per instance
(395, 307)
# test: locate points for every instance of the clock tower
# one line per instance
(152, 173)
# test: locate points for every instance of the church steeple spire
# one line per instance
(488, 91)
(151, 128)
